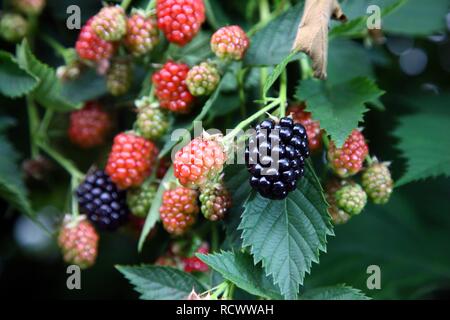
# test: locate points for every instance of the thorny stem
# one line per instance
(246, 122)
(307, 71)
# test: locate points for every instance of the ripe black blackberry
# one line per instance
(104, 204)
(275, 157)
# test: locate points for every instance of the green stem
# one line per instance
(45, 123)
(214, 238)
(73, 186)
(307, 71)
(59, 49)
(369, 160)
(33, 122)
(62, 161)
(240, 80)
(246, 122)
(264, 11)
(125, 4)
(283, 93)
(150, 5)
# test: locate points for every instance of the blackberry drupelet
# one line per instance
(275, 157)
(104, 204)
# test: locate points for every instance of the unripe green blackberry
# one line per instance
(152, 121)
(377, 182)
(142, 33)
(202, 79)
(119, 77)
(29, 7)
(110, 23)
(140, 199)
(351, 198)
(13, 27)
(215, 201)
(338, 215)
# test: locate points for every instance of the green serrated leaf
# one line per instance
(238, 268)
(236, 180)
(48, 92)
(153, 214)
(12, 188)
(340, 107)
(428, 18)
(424, 144)
(14, 81)
(333, 293)
(274, 42)
(287, 235)
(160, 283)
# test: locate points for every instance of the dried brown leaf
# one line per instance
(312, 32)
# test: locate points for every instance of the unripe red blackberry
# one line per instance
(377, 182)
(312, 127)
(89, 126)
(78, 241)
(29, 7)
(179, 210)
(119, 77)
(338, 215)
(202, 79)
(131, 160)
(230, 42)
(351, 198)
(171, 89)
(110, 23)
(194, 264)
(140, 199)
(199, 162)
(152, 121)
(13, 27)
(349, 159)
(91, 47)
(215, 201)
(142, 34)
(180, 20)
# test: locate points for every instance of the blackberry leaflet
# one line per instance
(275, 157)
(104, 204)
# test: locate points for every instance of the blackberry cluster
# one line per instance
(275, 157)
(104, 204)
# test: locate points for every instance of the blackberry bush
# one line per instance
(224, 143)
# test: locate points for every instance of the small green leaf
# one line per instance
(153, 214)
(277, 72)
(339, 108)
(12, 188)
(333, 293)
(287, 235)
(14, 81)
(238, 268)
(161, 283)
(236, 180)
(274, 42)
(424, 143)
(48, 92)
